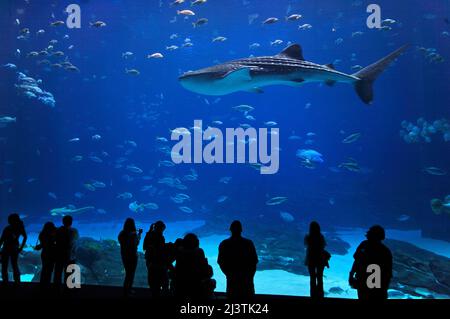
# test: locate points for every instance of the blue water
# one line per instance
(102, 99)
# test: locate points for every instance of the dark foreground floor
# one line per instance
(105, 301)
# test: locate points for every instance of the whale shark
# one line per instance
(286, 68)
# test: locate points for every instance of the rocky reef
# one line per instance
(100, 263)
(417, 272)
(279, 247)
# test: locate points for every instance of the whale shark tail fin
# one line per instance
(368, 75)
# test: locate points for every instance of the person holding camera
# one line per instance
(129, 239)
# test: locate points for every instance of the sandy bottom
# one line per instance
(277, 282)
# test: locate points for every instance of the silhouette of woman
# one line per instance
(9, 242)
(156, 259)
(47, 245)
(129, 240)
(316, 259)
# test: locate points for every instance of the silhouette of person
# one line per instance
(237, 260)
(156, 259)
(173, 250)
(47, 246)
(316, 259)
(11, 248)
(193, 275)
(65, 248)
(372, 252)
(129, 240)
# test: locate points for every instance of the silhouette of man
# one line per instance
(372, 252)
(237, 260)
(11, 248)
(65, 247)
(156, 259)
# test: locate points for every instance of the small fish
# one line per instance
(294, 17)
(52, 195)
(403, 218)
(96, 137)
(219, 39)
(10, 66)
(135, 207)
(357, 33)
(98, 184)
(185, 209)
(200, 22)
(198, 2)
(350, 165)
(287, 217)
(166, 163)
(434, 171)
(76, 139)
(7, 119)
(89, 187)
(276, 200)
(57, 23)
(96, 159)
(351, 138)
(225, 179)
(134, 169)
(72, 68)
(270, 123)
(388, 21)
(133, 72)
(98, 24)
(152, 206)
(78, 195)
(276, 42)
(77, 158)
(186, 12)
(222, 198)
(127, 54)
(125, 195)
(305, 26)
(271, 20)
(243, 108)
(156, 55)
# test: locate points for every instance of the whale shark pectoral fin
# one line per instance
(255, 90)
(241, 74)
(296, 82)
(330, 82)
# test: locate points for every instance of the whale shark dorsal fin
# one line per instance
(237, 74)
(294, 51)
